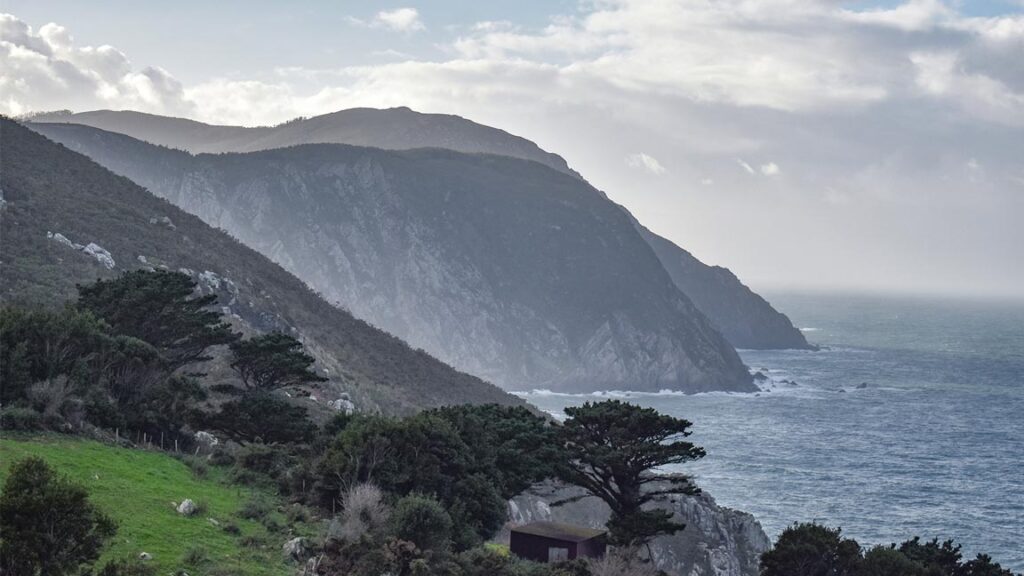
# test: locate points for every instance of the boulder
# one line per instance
(206, 439)
(145, 556)
(187, 507)
(295, 549)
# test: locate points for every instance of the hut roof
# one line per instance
(565, 532)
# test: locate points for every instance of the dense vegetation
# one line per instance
(122, 355)
(816, 550)
(418, 496)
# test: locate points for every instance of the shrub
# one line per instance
(232, 528)
(262, 459)
(221, 457)
(422, 521)
(197, 465)
(49, 526)
(195, 556)
(256, 508)
(364, 513)
(21, 419)
(127, 567)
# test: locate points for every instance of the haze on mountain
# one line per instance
(745, 318)
(505, 268)
(66, 220)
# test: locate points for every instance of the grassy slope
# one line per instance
(137, 487)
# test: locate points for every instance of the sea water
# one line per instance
(908, 422)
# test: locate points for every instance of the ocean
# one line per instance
(908, 422)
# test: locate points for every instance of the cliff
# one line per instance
(66, 220)
(744, 318)
(504, 268)
(717, 541)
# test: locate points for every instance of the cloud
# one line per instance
(44, 70)
(645, 162)
(399, 19)
(875, 107)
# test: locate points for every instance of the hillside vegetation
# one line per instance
(137, 488)
(107, 224)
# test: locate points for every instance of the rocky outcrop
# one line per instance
(522, 275)
(717, 541)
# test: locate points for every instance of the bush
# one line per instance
(49, 526)
(20, 419)
(256, 508)
(127, 567)
(266, 460)
(197, 465)
(195, 556)
(232, 528)
(364, 513)
(422, 521)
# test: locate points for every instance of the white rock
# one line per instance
(206, 439)
(342, 405)
(145, 556)
(100, 254)
(187, 507)
(295, 548)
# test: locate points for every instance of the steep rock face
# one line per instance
(744, 318)
(717, 541)
(504, 268)
(67, 220)
(393, 129)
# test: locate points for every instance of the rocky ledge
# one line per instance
(717, 541)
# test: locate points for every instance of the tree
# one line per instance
(262, 416)
(49, 527)
(812, 550)
(158, 307)
(512, 446)
(614, 451)
(272, 361)
(423, 521)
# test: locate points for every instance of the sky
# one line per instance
(804, 144)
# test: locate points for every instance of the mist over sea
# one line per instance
(909, 421)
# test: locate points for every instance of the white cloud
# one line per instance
(875, 107)
(645, 162)
(400, 19)
(44, 70)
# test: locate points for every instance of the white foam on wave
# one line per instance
(810, 329)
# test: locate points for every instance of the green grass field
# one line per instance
(137, 488)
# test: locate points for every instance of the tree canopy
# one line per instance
(272, 361)
(616, 451)
(158, 307)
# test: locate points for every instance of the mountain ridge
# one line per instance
(745, 318)
(56, 201)
(504, 268)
